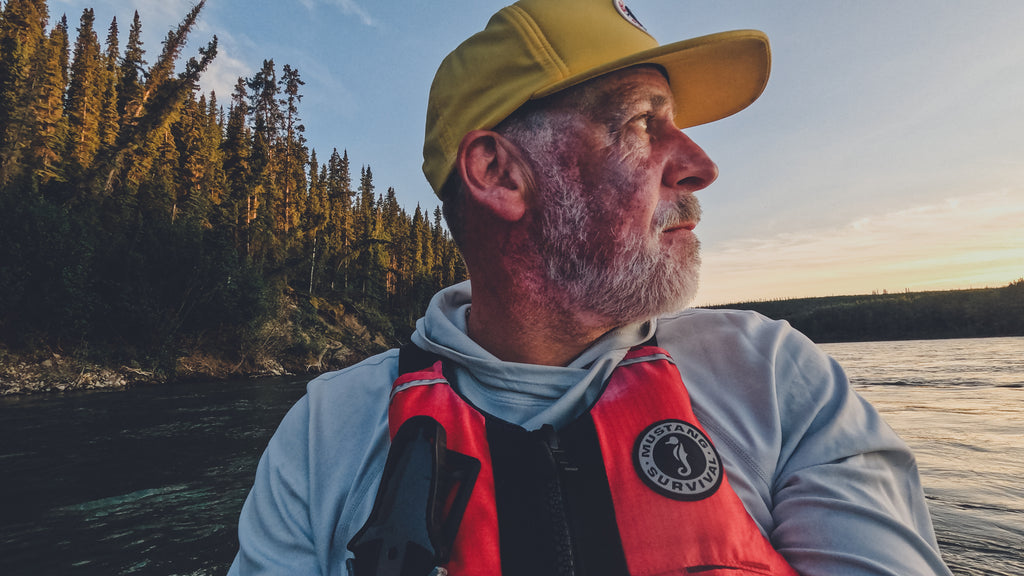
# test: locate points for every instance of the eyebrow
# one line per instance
(614, 114)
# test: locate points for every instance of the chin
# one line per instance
(679, 295)
(625, 298)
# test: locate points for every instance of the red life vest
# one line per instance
(634, 486)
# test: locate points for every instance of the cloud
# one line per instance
(351, 8)
(958, 242)
(224, 72)
(347, 7)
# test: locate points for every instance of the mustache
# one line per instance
(685, 209)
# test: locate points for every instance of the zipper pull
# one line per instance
(550, 436)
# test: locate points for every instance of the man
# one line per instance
(547, 390)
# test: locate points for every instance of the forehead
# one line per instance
(624, 90)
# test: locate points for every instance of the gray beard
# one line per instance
(626, 281)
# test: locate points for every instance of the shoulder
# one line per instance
(754, 382)
(347, 437)
(742, 340)
(360, 383)
(741, 354)
(344, 401)
(315, 481)
(348, 410)
(722, 323)
(342, 411)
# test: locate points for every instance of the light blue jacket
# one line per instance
(831, 485)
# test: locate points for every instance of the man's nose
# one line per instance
(688, 168)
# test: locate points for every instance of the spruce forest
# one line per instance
(142, 220)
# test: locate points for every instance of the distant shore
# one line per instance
(979, 313)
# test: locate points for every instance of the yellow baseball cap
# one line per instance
(535, 48)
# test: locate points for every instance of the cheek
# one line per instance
(633, 151)
(619, 221)
(633, 198)
(616, 182)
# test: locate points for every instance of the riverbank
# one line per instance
(53, 372)
(48, 372)
(307, 336)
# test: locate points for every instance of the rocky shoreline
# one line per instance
(43, 372)
(51, 372)
(331, 337)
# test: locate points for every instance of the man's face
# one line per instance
(615, 182)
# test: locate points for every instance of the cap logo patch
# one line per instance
(675, 459)
(620, 5)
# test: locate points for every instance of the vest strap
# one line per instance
(412, 358)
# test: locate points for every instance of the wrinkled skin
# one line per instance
(614, 179)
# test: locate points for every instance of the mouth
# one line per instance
(682, 215)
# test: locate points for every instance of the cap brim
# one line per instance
(711, 76)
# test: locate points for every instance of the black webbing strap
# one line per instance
(412, 358)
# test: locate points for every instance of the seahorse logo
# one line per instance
(676, 459)
(679, 451)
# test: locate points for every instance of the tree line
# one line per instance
(140, 215)
(977, 313)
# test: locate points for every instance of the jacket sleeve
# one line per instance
(274, 530)
(315, 483)
(847, 497)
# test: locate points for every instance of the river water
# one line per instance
(959, 404)
(150, 481)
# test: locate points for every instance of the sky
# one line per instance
(886, 154)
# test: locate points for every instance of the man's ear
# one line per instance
(494, 173)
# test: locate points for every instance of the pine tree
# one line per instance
(339, 191)
(379, 274)
(316, 214)
(190, 139)
(391, 212)
(22, 35)
(237, 149)
(215, 181)
(266, 124)
(84, 99)
(158, 190)
(148, 117)
(132, 68)
(65, 49)
(366, 202)
(293, 155)
(451, 267)
(340, 232)
(112, 48)
(48, 123)
(366, 220)
(390, 233)
(109, 121)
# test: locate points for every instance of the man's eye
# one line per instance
(643, 121)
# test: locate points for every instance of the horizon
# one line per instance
(874, 293)
(885, 153)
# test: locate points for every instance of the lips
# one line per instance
(675, 227)
(682, 214)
